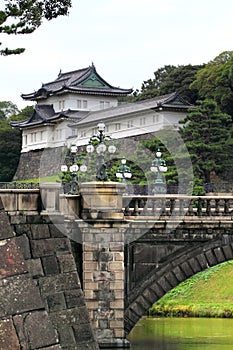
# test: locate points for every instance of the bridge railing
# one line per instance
(19, 185)
(178, 205)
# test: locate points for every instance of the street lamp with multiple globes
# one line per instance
(100, 148)
(73, 169)
(159, 166)
(124, 173)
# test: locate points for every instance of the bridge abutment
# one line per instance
(103, 237)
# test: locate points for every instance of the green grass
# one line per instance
(207, 294)
(54, 178)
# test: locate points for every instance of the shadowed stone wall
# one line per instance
(41, 301)
(44, 161)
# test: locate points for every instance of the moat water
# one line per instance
(182, 334)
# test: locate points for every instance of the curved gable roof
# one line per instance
(85, 80)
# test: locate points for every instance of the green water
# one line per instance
(182, 334)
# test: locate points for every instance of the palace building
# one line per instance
(69, 108)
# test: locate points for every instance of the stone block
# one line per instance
(117, 304)
(105, 256)
(119, 256)
(104, 295)
(103, 276)
(219, 255)
(11, 260)
(66, 336)
(211, 258)
(74, 298)
(35, 268)
(48, 246)
(58, 283)
(90, 285)
(19, 294)
(117, 285)
(8, 336)
(117, 324)
(38, 327)
(92, 304)
(57, 231)
(119, 333)
(82, 333)
(89, 294)
(5, 228)
(50, 265)
(28, 201)
(40, 231)
(88, 256)
(90, 265)
(70, 317)
(23, 243)
(66, 263)
(56, 302)
(116, 266)
(9, 201)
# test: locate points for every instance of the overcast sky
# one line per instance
(127, 40)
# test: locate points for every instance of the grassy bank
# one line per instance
(207, 294)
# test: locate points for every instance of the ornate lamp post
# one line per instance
(124, 173)
(100, 148)
(73, 168)
(159, 166)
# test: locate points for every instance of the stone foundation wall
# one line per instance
(41, 302)
(38, 163)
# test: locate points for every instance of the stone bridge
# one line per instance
(129, 252)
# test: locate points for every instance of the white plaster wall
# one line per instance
(69, 101)
(130, 125)
(46, 136)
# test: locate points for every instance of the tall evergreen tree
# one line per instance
(206, 134)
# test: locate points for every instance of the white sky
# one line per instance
(127, 40)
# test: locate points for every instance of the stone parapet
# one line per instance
(102, 200)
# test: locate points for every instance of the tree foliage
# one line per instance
(10, 139)
(215, 81)
(7, 109)
(206, 134)
(169, 79)
(24, 17)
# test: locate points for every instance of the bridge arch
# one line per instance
(168, 275)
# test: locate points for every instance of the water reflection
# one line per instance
(182, 334)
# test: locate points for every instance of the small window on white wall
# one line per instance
(155, 118)
(61, 104)
(83, 133)
(130, 123)
(118, 126)
(101, 104)
(142, 121)
(84, 103)
(79, 104)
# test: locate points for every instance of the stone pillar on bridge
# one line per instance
(103, 233)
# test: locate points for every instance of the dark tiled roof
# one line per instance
(170, 101)
(85, 81)
(42, 114)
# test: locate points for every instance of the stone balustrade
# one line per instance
(178, 205)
